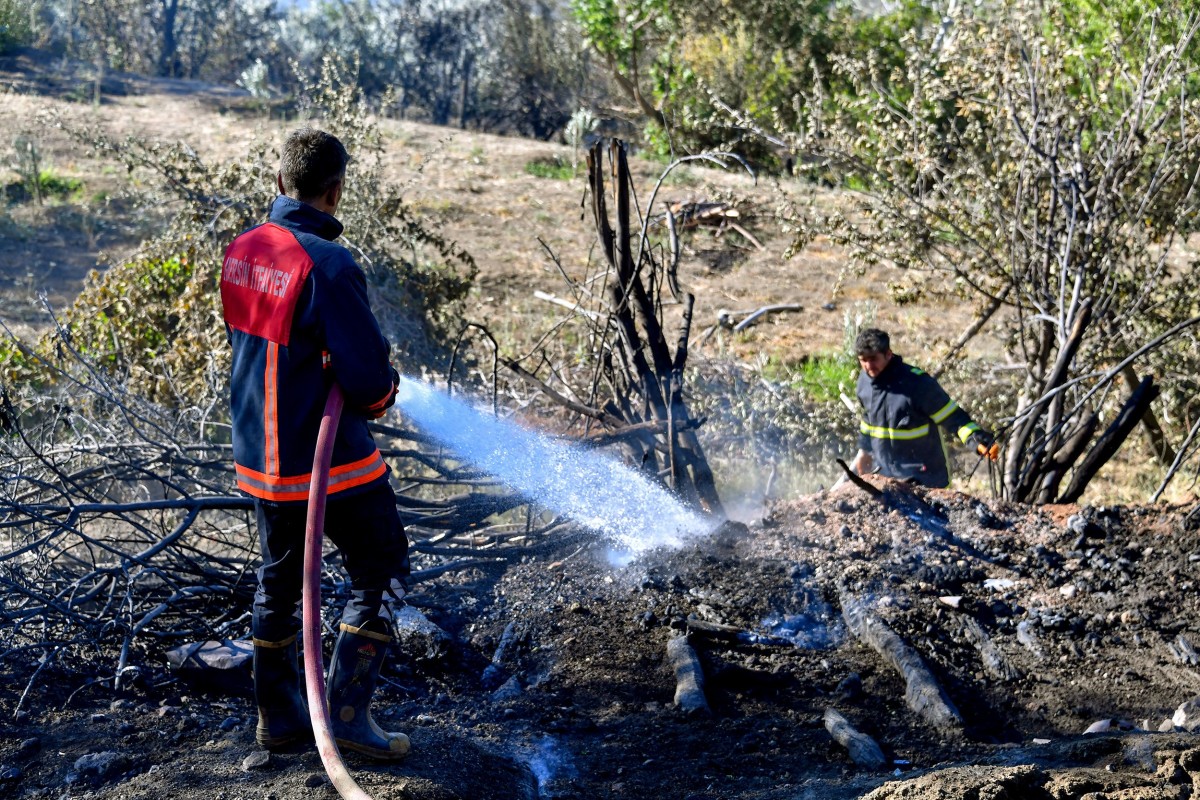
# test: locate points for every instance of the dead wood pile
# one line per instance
(121, 531)
(631, 384)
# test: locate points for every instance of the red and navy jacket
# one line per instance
(298, 319)
(902, 409)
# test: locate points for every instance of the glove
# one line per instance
(379, 411)
(982, 438)
(391, 401)
(985, 444)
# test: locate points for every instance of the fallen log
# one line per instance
(994, 663)
(689, 677)
(497, 672)
(1183, 651)
(748, 237)
(863, 750)
(692, 215)
(754, 316)
(731, 634)
(923, 693)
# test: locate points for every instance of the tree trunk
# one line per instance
(1108, 443)
(635, 314)
(465, 93)
(1023, 467)
(170, 44)
(1155, 436)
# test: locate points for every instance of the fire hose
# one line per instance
(314, 667)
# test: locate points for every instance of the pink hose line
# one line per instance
(314, 667)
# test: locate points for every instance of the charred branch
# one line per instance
(923, 694)
(120, 529)
(1111, 440)
(863, 750)
(635, 365)
(689, 676)
(994, 662)
(854, 478)
(714, 632)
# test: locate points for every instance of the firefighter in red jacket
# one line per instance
(903, 407)
(298, 320)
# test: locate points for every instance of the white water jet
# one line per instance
(633, 512)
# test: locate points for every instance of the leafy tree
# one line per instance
(534, 76)
(629, 35)
(15, 26)
(685, 65)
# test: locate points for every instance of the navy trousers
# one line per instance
(367, 531)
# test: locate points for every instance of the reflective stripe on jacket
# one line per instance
(902, 409)
(297, 316)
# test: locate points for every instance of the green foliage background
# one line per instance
(15, 28)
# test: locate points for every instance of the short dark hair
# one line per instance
(313, 162)
(871, 341)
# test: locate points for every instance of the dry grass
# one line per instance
(477, 187)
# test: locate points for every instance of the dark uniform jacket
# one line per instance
(297, 316)
(902, 409)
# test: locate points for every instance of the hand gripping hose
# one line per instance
(314, 667)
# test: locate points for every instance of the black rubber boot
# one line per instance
(282, 716)
(357, 658)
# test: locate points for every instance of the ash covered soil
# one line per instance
(549, 677)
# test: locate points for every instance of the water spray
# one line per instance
(632, 511)
(625, 506)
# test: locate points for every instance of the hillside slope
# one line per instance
(487, 192)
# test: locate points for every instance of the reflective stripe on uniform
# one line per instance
(382, 402)
(271, 410)
(940, 415)
(380, 637)
(965, 431)
(295, 487)
(893, 433)
(274, 645)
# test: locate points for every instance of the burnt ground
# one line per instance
(552, 680)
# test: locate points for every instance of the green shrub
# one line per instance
(15, 29)
(51, 184)
(19, 365)
(132, 313)
(825, 377)
(553, 168)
